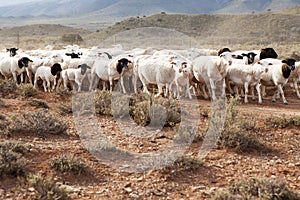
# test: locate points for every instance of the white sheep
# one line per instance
(48, 75)
(295, 77)
(159, 69)
(211, 70)
(247, 75)
(75, 75)
(47, 61)
(278, 75)
(14, 66)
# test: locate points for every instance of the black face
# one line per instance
(251, 57)
(121, 64)
(83, 68)
(12, 51)
(23, 62)
(55, 69)
(290, 62)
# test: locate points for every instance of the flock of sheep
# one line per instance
(175, 72)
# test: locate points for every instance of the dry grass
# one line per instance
(255, 188)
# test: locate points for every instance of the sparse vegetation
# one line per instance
(283, 121)
(38, 103)
(27, 90)
(237, 132)
(187, 163)
(38, 122)
(46, 188)
(255, 188)
(12, 162)
(71, 38)
(68, 163)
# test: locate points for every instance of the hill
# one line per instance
(261, 28)
(128, 8)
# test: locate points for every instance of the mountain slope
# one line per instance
(126, 8)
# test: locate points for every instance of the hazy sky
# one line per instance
(11, 2)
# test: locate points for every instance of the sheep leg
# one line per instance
(213, 89)
(246, 85)
(44, 85)
(223, 95)
(78, 82)
(122, 84)
(282, 94)
(145, 89)
(258, 92)
(296, 88)
(204, 92)
(188, 92)
(160, 90)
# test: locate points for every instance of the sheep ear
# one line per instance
(79, 66)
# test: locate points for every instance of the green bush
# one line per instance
(11, 159)
(255, 188)
(68, 163)
(46, 188)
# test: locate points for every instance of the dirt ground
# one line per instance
(221, 167)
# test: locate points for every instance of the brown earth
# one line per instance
(221, 167)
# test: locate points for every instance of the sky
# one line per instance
(12, 2)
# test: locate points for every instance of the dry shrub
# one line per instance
(65, 108)
(187, 163)
(283, 121)
(237, 132)
(46, 188)
(38, 103)
(68, 163)
(155, 111)
(27, 90)
(37, 122)
(255, 188)
(103, 103)
(12, 162)
(7, 86)
(4, 124)
(2, 104)
(143, 109)
(140, 113)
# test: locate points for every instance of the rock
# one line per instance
(31, 189)
(297, 164)
(133, 195)
(128, 189)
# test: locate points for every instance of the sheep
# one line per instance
(159, 68)
(211, 70)
(37, 62)
(99, 71)
(182, 81)
(48, 75)
(76, 75)
(14, 66)
(278, 75)
(110, 69)
(247, 75)
(295, 77)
